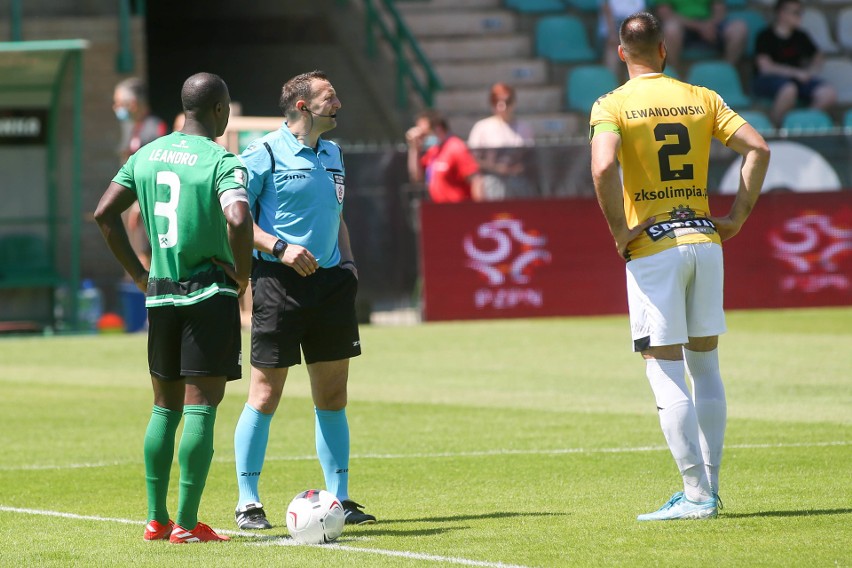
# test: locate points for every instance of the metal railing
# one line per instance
(15, 16)
(382, 19)
(124, 59)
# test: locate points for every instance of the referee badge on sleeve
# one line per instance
(339, 187)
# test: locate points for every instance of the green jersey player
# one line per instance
(194, 205)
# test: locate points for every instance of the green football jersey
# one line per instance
(178, 180)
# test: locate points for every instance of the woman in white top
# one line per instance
(499, 142)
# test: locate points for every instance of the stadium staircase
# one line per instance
(475, 43)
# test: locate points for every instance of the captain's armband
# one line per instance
(231, 196)
(603, 127)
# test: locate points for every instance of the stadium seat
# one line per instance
(722, 78)
(735, 3)
(585, 83)
(672, 72)
(847, 119)
(563, 39)
(536, 6)
(844, 28)
(838, 73)
(758, 120)
(815, 23)
(755, 21)
(807, 120)
(699, 52)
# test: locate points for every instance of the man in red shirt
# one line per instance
(443, 160)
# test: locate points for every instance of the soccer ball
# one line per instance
(315, 516)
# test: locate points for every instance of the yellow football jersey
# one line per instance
(666, 128)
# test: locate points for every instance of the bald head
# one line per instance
(206, 104)
(641, 35)
(202, 91)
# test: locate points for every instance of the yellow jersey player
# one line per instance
(660, 130)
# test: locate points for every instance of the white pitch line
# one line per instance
(562, 451)
(68, 515)
(37, 467)
(427, 455)
(283, 541)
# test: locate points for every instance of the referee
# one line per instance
(304, 285)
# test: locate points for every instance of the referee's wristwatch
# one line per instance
(278, 248)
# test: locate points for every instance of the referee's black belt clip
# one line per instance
(700, 225)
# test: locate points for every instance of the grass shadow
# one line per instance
(385, 525)
(350, 538)
(452, 518)
(379, 530)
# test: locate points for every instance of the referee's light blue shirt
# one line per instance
(296, 193)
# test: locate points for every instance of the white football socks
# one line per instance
(710, 407)
(679, 423)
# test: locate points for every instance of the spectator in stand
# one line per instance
(786, 64)
(138, 127)
(498, 143)
(700, 23)
(610, 15)
(442, 160)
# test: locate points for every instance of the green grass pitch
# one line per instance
(502, 443)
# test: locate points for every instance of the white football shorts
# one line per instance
(676, 294)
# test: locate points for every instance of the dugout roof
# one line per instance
(41, 106)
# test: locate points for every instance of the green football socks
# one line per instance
(194, 455)
(159, 451)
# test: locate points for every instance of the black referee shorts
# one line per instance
(316, 313)
(199, 340)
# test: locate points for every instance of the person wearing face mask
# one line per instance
(442, 160)
(500, 144)
(138, 128)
